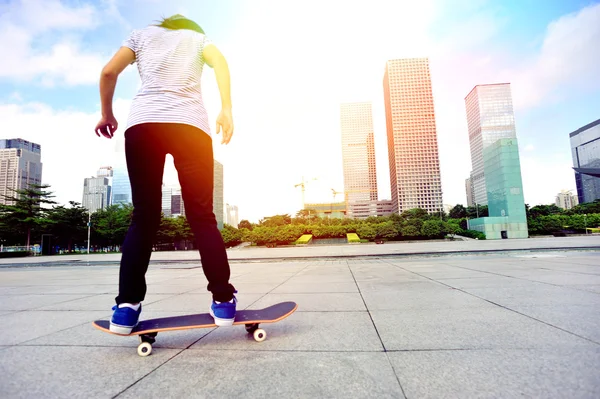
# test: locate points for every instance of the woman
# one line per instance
(168, 116)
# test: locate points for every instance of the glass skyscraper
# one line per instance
(121, 188)
(585, 148)
(358, 152)
(496, 176)
(489, 118)
(20, 166)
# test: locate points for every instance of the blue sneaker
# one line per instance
(223, 312)
(124, 319)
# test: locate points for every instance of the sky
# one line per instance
(292, 64)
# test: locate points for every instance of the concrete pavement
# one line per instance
(502, 325)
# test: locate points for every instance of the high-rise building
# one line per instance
(585, 148)
(121, 188)
(20, 166)
(412, 136)
(358, 152)
(365, 209)
(232, 217)
(177, 206)
(566, 199)
(496, 175)
(167, 194)
(96, 193)
(218, 194)
(489, 118)
(469, 191)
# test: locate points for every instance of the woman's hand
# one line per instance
(107, 126)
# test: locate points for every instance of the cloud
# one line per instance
(29, 32)
(568, 60)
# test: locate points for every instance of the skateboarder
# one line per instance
(167, 116)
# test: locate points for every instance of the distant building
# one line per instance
(358, 152)
(166, 200)
(328, 210)
(121, 187)
(232, 217)
(490, 118)
(218, 194)
(96, 193)
(585, 149)
(412, 136)
(363, 210)
(105, 171)
(177, 207)
(20, 166)
(566, 199)
(469, 191)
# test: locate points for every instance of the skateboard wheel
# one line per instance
(144, 349)
(251, 327)
(260, 335)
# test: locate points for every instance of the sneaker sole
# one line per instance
(120, 329)
(221, 322)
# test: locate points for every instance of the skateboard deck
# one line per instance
(148, 329)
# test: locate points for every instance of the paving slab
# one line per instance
(302, 331)
(199, 374)
(499, 373)
(29, 302)
(60, 372)
(420, 296)
(24, 326)
(536, 294)
(314, 287)
(323, 302)
(484, 327)
(100, 302)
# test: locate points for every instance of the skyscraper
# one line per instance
(412, 136)
(20, 166)
(496, 176)
(218, 194)
(232, 216)
(585, 148)
(489, 118)
(96, 193)
(358, 153)
(566, 199)
(121, 188)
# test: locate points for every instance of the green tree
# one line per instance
(458, 212)
(231, 235)
(68, 225)
(366, 232)
(244, 224)
(432, 228)
(386, 230)
(277, 220)
(110, 225)
(26, 213)
(544, 210)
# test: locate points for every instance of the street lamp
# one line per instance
(89, 229)
(585, 222)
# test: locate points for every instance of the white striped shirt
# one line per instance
(170, 65)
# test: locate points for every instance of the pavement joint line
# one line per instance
(513, 310)
(377, 331)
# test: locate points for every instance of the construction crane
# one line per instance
(303, 185)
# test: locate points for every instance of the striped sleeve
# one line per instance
(132, 42)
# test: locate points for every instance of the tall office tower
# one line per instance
(469, 191)
(489, 118)
(218, 194)
(177, 206)
(358, 153)
(232, 215)
(412, 137)
(121, 188)
(167, 200)
(20, 166)
(585, 148)
(96, 193)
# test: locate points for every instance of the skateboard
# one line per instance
(147, 330)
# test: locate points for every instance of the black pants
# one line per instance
(146, 147)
